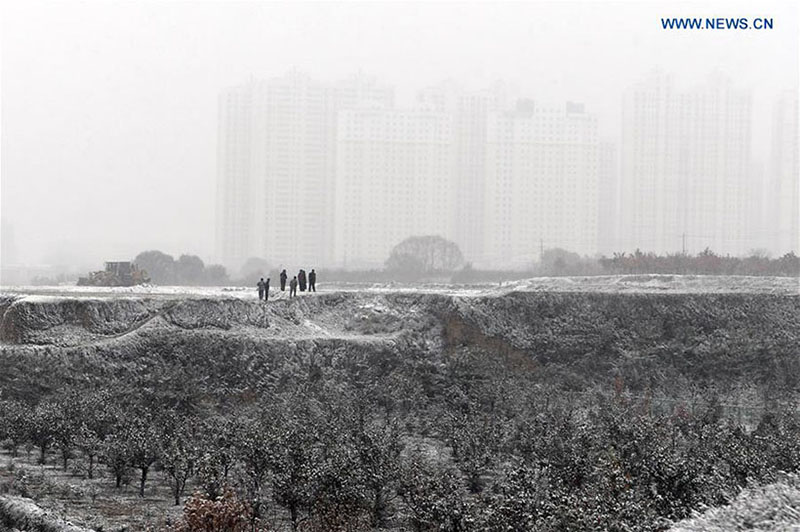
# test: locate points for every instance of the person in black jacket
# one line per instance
(266, 290)
(261, 288)
(301, 278)
(283, 280)
(293, 287)
(312, 281)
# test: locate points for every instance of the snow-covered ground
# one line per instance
(680, 284)
(774, 507)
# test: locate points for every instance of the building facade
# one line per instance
(608, 196)
(541, 188)
(276, 167)
(318, 174)
(784, 182)
(686, 167)
(469, 112)
(394, 179)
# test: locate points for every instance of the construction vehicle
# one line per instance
(116, 274)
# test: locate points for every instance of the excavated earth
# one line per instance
(739, 328)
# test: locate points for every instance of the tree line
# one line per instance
(188, 270)
(433, 257)
(704, 263)
(561, 262)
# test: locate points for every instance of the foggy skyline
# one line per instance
(109, 110)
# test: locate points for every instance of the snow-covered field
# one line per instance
(679, 284)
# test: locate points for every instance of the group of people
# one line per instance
(304, 281)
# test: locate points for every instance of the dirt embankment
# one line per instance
(593, 336)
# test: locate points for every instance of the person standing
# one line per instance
(260, 289)
(283, 280)
(312, 281)
(266, 291)
(293, 287)
(301, 278)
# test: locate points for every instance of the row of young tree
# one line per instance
(705, 263)
(431, 256)
(561, 262)
(413, 257)
(187, 270)
(190, 270)
(332, 459)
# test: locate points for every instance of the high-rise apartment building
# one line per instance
(276, 166)
(394, 179)
(541, 187)
(469, 112)
(685, 168)
(320, 174)
(784, 183)
(608, 198)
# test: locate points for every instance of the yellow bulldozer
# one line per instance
(116, 274)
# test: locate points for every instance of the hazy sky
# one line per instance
(109, 109)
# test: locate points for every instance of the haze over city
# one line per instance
(111, 113)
